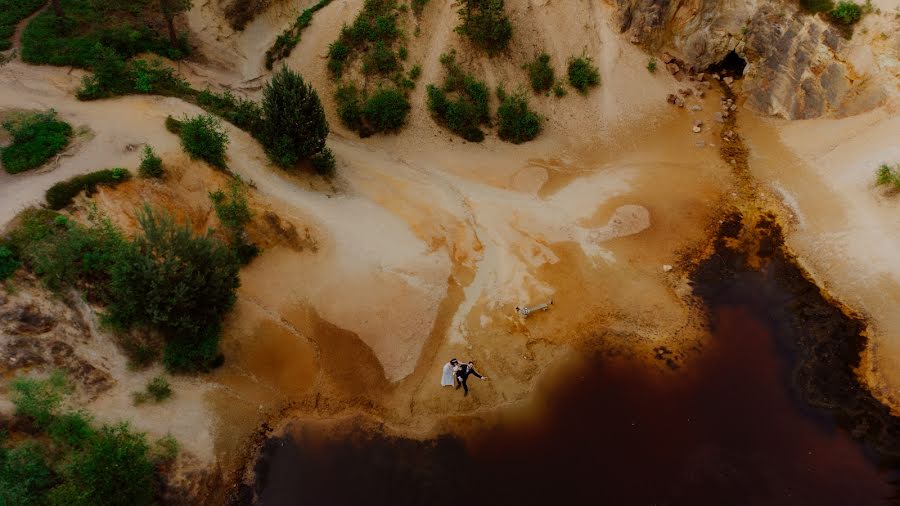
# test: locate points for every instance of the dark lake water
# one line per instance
(727, 429)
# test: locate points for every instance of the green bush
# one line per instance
(178, 283)
(295, 127)
(204, 138)
(468, 108)
(583, 74)
(323, 162)
(114, 467)
(415, 72)
(8, 263)
(157, 390)
(350, 106)
(25, 474)
(380, 60)
(559, 91)
(77, 464)
(173, 125)
(63, 253)
(651, 65)
(39, 400)
(11, 13)
(234, 214)
(121, 26)
(338, 54)
(151, 165)
(886, 175)
(418, 6)
(486, 24)
(846, 12)
(61, 194)
(517, 122)
(540, 73)
(242, 113)
(35, 139)
(386, 110)
(113, 76)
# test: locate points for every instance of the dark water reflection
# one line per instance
(728, 430)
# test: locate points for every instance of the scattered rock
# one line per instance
(733, 107)
(673, 68)
(635, 39)
(697, 129)
(701, 76)
(696, 108)
(716, 77)
(679, 101)
(671, 98)
(701, 93)
(698, 123)
(728, 80)
(667, 268)
(718, 117)
(667, 58)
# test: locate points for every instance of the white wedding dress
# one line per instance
(447, 376)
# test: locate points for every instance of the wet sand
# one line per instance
(731, 427)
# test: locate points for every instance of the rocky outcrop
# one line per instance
(796, 66)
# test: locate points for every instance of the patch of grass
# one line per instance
(120, 26)
(11, 13)
(324, 163)
(35, 139)
(888, 176)
(485, 23)
(380, 60)
(63, 193)
(376, 23)
(234, 214)
(583, 75)
(517, 123)
(846, 12)
(9, 263)
(151, 165)
(559, 90)
(385, 110)
(204, 138)
(288, 39)
(157, 390)
(461, 104)
(540, 73)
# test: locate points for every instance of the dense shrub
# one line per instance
(173, 125)
(35, 139)
(151, 165)
(121, 26)
(486, 24)
(846, 12)
(177, 283)
(323, 162)
(234, 214)
(287, 40)
(386, 110)
(9, 263)
(350, 106)
(77, 464)
(240, 112)
(64, 253)
(889, 176)
(583, 74)
(517, 123)
(204, 138)
(373, 31)
(651, 65)
(540, 73)
(380, 60)
(61, 194)
(114, 76)
(157, 390)
(11, 13)
(465, 111)
(295, 127)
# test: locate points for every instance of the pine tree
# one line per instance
(294, 128)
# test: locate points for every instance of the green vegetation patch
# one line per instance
(583, 75)
(888, 176)
(295, 127)
(234, 214)
(125, 27)
(157, 390)
(540, 73)
(114, 76)
(288, 39)
(376, 23)
(11, 13)
(485, 23)
(70, 460)
(151, 165)
(385, 110)
(35, 139)
(204, 138)
(846, 13)
(9, 263)
(517, 123)
(462, 103)
(63, 193)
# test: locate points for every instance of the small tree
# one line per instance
(295, 127)
(170, 9)
(204, 138)
(583, 74)
(541, 73)
(151, 165)
(518, 123)
(486, 24)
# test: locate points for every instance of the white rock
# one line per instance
(667, 268)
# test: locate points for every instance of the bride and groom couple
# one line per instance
(457, 374)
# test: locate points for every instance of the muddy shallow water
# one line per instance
(734, 426)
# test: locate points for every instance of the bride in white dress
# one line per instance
(450, 368)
